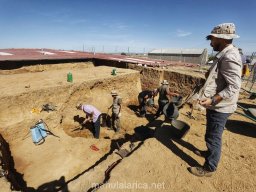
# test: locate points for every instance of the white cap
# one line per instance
(165, 82)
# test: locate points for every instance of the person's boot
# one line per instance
(200, 171)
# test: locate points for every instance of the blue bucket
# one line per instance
(38, 132)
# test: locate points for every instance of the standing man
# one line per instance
(163, 99)
(164, 96)
(143, 98)
(219, 95)
(92, 115)
(116, 110)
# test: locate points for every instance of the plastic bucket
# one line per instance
(69, 77)
(171, 111)
(179, 128)
(113, 72)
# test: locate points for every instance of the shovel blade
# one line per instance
(252, 111)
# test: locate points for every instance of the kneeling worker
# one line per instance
(143, 98)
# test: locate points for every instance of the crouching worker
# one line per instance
(92, 115)
(116, 111)
(145, 98)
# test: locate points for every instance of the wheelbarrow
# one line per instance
(251, 113)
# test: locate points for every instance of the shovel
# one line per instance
(252, 112)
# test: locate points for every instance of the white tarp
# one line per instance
(4, 53)
(46, 53)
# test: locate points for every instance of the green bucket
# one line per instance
(69, 77)
(113, 72)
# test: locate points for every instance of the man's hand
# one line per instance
(86, 120)
(83, 123)
(205, 102)
(176, 94)
(173, 94)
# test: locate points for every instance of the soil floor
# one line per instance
(156, 161)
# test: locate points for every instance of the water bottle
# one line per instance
(70, 77)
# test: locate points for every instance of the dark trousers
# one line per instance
(96, 126)
(215, 125)
(161, 104)
(142, 106)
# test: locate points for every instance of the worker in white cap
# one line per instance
(164, 96)
(116, 110)
(219, 94)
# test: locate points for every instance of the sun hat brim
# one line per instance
(222, 36)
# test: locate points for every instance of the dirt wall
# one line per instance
(181, 83)
(110, 63)
(151, 78)
(22, 109)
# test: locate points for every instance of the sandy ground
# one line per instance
(157, 162)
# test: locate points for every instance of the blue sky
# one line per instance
(119, 25)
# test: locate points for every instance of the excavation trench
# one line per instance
(27, 89)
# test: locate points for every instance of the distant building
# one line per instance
(198, 56)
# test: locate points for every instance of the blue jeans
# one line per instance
(216, 122)
(142, 106)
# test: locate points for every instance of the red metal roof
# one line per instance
(51, 54)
